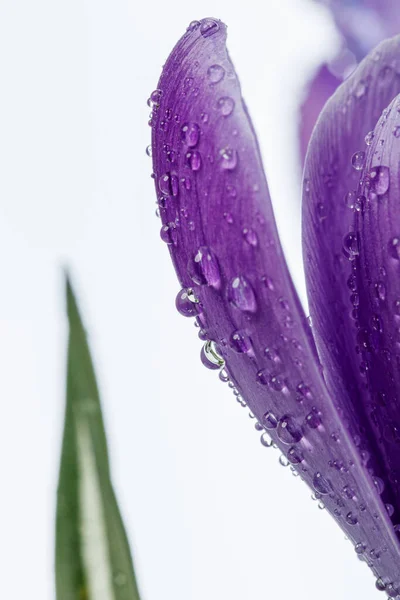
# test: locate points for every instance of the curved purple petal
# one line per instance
(365, 23)
(376, 267)
(330, 245)
(219, 227)
(320, 90)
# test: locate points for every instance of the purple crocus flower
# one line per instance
(326, 395)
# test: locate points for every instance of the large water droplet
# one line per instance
(321, 485)
(265, 439)
(357, 160)
(229, 158)
(351, 246)
(351, 518)
(193, 159)
(250, 236)
(288, 431)
(269, 420)
(186, 303)
(169, 233)
(216, 73)
(210, 356)
(241, 294)
(168, 184)
(203, 268)
(312, 419)
(380, 584)
(190, 133)
(380, 177)
(240, 341)
(226, 105)
(208, 27)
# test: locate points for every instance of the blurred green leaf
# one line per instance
(93, 559)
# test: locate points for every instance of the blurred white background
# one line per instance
(210, 512)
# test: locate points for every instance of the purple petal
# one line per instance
(225, 247)
(365, 23)
(377, 268)
(331, 245)
(320, 90)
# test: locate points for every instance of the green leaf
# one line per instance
(93, 559)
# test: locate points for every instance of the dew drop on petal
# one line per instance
(186, 303)
(193, 159)
(288, 431)
(216, 73)
(266, 440)
(269, 420)
(168, 233)
(250, 236)
(357, 160)
(241, 294)
(321, 484)
(208, 27)
(203, 268)
(240, 342)
(351, 518)
(369, 138)
(229, 159)
(190, 133)
(226, 105)
(351, 247)
(394, 248)
(210, 356)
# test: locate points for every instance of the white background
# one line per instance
(210, 513)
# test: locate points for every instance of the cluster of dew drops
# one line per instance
(188, 304)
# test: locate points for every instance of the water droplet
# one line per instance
(155, 98)
(266, 440)
(210, 356)
(216, 73)
(361, 89)
(272, 355)
(269, 420)
(380, 584)
(380, 290)
(190, 133)
(351, 246)
(193, 159)
(223, 375)
(312, 419)
(241, 294)
(186, 303)
(321, 485)
(240, 341)
(168, 233)
(357, 160)
(149, 150)
(288, 431)
(396, 131)
(226, 105)
(350, 199)
(193, 25)
(380, 177)
(379, 484)
(276, 383)
(394, 248)
(229, 158)
(304, 390)
(359, 548)
(283, 461)
(209, 27)
(228, 217)
(168, 184)
(295, 456)
(203, 269)
(369, 138)
(389, 509)
(351, 518)
(250, 236)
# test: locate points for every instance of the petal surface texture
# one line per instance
(332, 203)
(218, 224)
